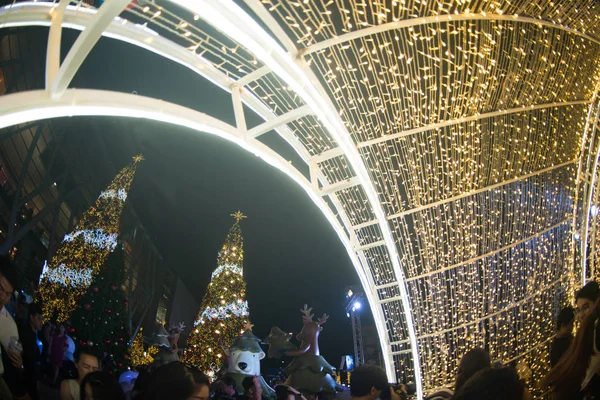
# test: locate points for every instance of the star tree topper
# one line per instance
(238, 216)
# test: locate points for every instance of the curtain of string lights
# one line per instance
(463, 170)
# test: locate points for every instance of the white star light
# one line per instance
(232, 268)
(121, 194)
(67, 276)
(236, 308)
(95, 237)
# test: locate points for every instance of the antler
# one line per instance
(179, 328)
(307, 316)
(323, 319)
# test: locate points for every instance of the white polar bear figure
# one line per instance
(244, 357)
(244, 362)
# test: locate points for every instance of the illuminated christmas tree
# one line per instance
(139, 355)
(224, 310)
(100, 319)
(78, 260)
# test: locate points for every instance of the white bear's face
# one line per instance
(245, 362)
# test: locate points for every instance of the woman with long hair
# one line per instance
(471, 362)
(577, 374)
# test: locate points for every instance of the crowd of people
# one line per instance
(40, 361)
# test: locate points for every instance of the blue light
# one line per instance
(357, 305)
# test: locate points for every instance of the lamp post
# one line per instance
(354, 303)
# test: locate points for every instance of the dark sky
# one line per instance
(191, 182)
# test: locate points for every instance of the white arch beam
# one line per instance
(84, 44)
(233, 22)
(54, 41)
(408, 23)
(39, 14)
(37, 105)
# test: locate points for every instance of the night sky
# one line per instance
(190, 183)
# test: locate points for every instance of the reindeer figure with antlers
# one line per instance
(174, 333)
(309, 372)
(309, 335)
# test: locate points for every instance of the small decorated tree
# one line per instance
(83, 252)
(100, 321)
(139, 355)
(224, 309)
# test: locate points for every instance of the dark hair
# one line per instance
(283, 391)
(103, 386)
(248, 383)
(590, 291)
(471, 362)
(8, 271)
(85, 350)
(228, 381)
(565, 317)
(175, 381)
(492, 384)
(365, 377)
(34, 309)
(573, 364)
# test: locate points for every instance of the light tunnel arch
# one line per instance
(78, 18)
(38, 105)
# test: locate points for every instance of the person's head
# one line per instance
(472, 362)
(35, 316)
(252, 387)
(8, 280)
(285, 392)
(573, 364)
(368, 382)
(176, 381)
(227, 386)
(61, 329)
(565, 320)
(100, 386)
(86, 362)
(493, 384)
(585, 299)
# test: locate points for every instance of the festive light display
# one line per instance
(101, 320)
(139, 355)
(224, 309)
(469, 117)
(474, 120)
(79, 259)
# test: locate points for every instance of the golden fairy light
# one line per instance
(469, 117)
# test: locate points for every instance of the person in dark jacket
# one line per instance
(564, 334)
(31, 351)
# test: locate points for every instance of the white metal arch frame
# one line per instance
(317, 26)
(39, 105)
(45, 14)
(388, 296)
(232, 21)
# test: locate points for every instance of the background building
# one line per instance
(49, 177)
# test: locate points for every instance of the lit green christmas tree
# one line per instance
(78, 260)
(224, 310)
